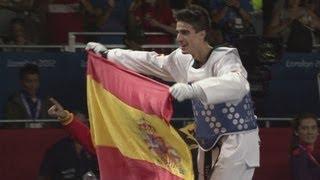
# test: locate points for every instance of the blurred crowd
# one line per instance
(30, 22)
(48, 22)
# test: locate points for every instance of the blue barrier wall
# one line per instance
(293, 88)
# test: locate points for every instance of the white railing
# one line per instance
(72, 45)
(61, 47)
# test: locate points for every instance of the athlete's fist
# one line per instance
(182, 91)
(97, 48)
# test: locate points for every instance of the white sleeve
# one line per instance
(144, 62)
(229, 84)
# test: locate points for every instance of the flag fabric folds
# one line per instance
(129, 123)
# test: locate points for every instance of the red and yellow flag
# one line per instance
(129, 118)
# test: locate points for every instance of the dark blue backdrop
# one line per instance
(62, 76)
(293, 88)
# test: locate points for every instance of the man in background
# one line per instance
(27, 102)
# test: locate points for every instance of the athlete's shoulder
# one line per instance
(225, 50)
(177, 53)
(222, 52)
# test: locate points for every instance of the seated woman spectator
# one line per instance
(305, 153)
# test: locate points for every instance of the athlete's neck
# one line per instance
(202, 55)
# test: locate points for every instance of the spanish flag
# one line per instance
(129, 119)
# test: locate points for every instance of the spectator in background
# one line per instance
(113, 18)
(317, 7)
(64, 16)
(152, 16)
(67, 159)
(27, 103)
(294, 23)
(233, 18)
(314, 7)
(6, 15)
(23, 11)
(305, 151)
(18, 34)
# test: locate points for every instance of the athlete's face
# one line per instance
(188, 39)
(308, 131)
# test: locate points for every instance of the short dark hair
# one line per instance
(28, 68)
(196, 16)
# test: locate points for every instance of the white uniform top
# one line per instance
(221, 79)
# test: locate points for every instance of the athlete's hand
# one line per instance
(97, 48)
(182, 91)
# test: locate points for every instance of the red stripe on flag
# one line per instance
(112, 165)
(155, 101)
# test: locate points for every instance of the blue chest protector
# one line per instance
(215, 120)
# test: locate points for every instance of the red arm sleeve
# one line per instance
(81, 133)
